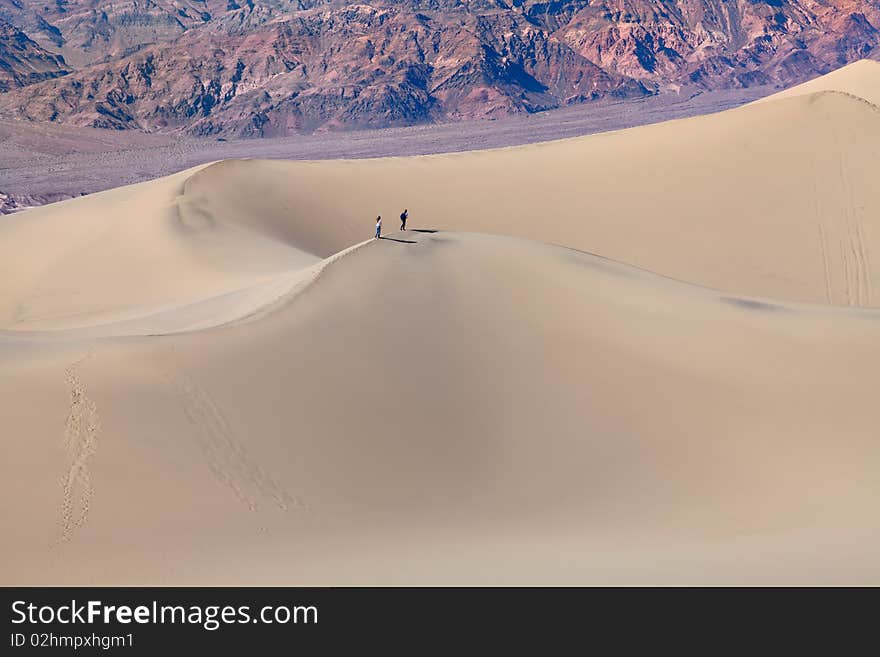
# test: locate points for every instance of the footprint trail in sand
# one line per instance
(224, 454)
(80, 441)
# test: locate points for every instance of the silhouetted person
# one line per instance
(403, 216)
(378, 226)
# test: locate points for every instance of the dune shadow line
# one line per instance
(394, 239)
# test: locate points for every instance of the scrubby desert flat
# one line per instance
(640, 357)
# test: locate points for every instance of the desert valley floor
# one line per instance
(647, 356)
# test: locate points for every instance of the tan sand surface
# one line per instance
(858, 79)
(648, 356)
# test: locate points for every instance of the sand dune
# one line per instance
(211, 378)
(125, 253)
(753, 201)
(777, 199)
(858, 79)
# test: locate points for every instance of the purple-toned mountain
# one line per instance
(23, 62)
(267, 67)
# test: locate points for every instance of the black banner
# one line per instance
(413, 620)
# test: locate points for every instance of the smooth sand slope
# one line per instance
(858, 79)
(208, 378)
(778, 199)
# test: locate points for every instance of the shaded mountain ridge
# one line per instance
(264, 68)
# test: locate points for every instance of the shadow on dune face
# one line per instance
(394, 239)
(752, 304)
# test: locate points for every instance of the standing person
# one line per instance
(378, 226)
(403, 216)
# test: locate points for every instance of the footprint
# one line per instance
(227, 458)
(823, 245)
(80, 441)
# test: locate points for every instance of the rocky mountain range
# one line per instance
(274, 67)
(23, 61)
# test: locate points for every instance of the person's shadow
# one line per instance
(394, 239)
